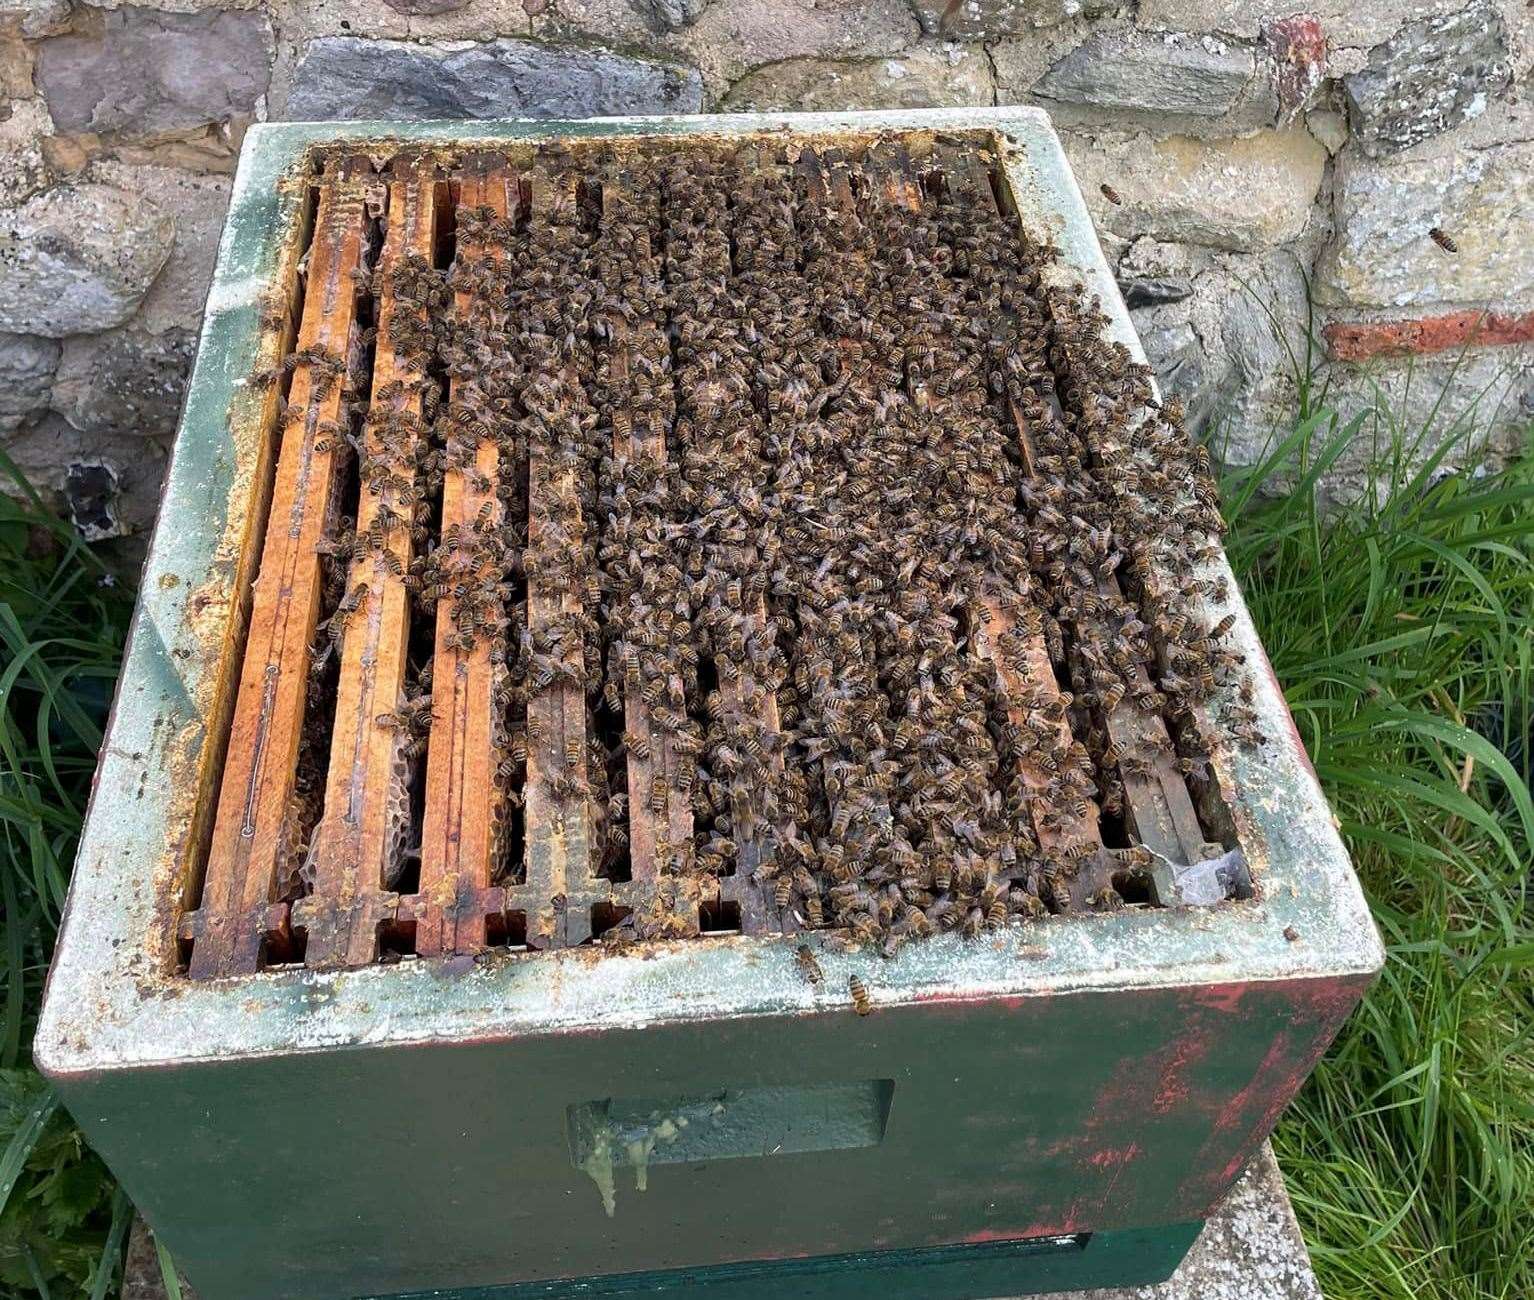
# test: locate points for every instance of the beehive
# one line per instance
(628, 597)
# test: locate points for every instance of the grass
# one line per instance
(63, 617)
(1401, 630)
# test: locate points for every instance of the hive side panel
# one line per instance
(1145, 1121)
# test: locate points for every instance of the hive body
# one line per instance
(500, 826)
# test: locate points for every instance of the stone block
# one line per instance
(427, 8)
(672, 15)
(1430, 76)
(27, 364)
(732, 38)
(79, 258)
(124, 381)
(139, 71)
(108, 485)
(197, 203)
(985, 20)
(1346, 22)
(349, 77)
(1245, 194)
(928, 76)
(1383, 254)
(1231, 347)
(1151, 72)
(1151, 273)
(16, 59)
(1482, 400)
(24, 169)
(40, 17)
(1296, 46)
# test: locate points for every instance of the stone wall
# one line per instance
(1246, 162)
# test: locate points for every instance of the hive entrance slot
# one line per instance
(697, 540)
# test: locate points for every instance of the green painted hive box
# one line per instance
(440, 929)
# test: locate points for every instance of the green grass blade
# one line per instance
(112, 1252)
(168, 1271)
(34, 1120)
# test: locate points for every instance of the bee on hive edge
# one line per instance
(860, 1000)
(808, 966)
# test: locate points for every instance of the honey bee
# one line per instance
(809, 967)
(1106, 899)
(861, 1003)
(566, 786)
(1111, 194)
(1443, 239)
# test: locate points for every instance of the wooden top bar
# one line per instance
(360, 838)
(660, 809)
(560, 887)
(1025, 675)
(1155, 794)
(460, 841)
(829, 188)
(256, 831)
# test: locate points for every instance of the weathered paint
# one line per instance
(1129, 1257)
(1003, 1123)
(1103, 1072)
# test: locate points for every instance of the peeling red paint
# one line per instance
(1220, 997)
(1111, 1157)
(983, 1235)
(1364, 340)
(1246, 1119)
(1172, 1088)
(961, 1004)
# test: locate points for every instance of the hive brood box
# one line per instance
(371, 983)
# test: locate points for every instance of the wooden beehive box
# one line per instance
(578, 671)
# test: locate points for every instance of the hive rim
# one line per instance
(113, 1000)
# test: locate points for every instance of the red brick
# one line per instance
(1361, 340)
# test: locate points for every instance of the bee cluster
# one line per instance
(830, 511)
